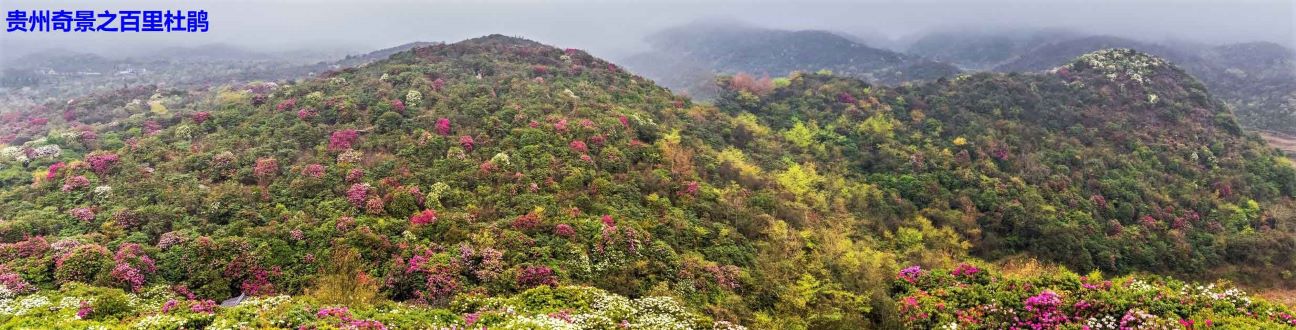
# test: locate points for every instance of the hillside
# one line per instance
(728, 49)
(498, 182)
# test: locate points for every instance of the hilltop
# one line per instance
(1256, 79)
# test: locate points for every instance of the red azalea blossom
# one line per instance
(424, 217)
(579, 146)
(286, 104)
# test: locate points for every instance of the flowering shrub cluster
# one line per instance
(966, 299)
(101, 163)
(443, 126)
(314, 171)
(342, 140)
(424, 217)
(80, 306)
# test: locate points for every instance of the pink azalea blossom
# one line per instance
(314, 171)
(443, 126)
(343, 139)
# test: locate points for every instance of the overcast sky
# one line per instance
(616, 28)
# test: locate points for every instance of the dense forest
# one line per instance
(502, 183)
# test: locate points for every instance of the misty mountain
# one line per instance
(983, 50)
(681, 55)
(1257, 79)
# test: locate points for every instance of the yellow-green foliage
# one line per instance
(343, 281)
(738, 160)
(879, 125)
(800, 134)
(800, 180)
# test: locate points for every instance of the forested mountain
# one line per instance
(502, 183)
(687, 57)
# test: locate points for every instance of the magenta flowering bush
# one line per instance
(53, 170)
(13, 282)
(443, 126)
(306, 113)
(846, 98)
(564, 230)
(84, 310)
(910, 274)
(357, 194)
(84, 214)
(314, 171)
(200, 117)
(342, 139)
(151, 127)
(398, 105)
(531, 276)
(266, 167)
(526, 222)
(205, 306)
(101, 163)
(132, 265)
(966, 270)
(355, 175)
(579, 146)
(75, 182)
(466, 142)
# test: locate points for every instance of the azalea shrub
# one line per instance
(158, 307)
(968, 297)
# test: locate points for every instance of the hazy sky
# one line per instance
(616, 28)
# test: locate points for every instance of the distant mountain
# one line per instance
(735, 48)
(62, 74)
(983, 50)
(381, 54)
(1053, 54)
(1257, 79)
